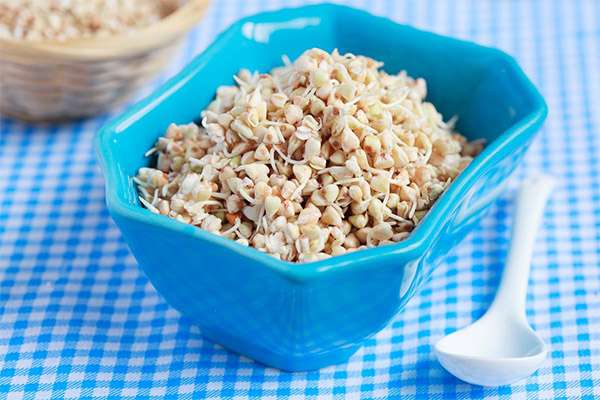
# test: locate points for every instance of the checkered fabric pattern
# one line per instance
(78, 319)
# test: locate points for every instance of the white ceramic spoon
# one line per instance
(501, 348)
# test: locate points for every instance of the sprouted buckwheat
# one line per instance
(319, 158)
(37, 20)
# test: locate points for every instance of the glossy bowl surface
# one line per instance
(306, 316)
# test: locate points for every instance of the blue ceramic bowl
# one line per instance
(307, 316)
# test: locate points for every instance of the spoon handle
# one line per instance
(529, 209)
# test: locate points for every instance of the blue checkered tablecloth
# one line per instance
(78, 319)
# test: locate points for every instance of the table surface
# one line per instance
(78, 319)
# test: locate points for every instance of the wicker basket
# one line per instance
(42, 81)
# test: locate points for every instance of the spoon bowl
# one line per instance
(492, 351)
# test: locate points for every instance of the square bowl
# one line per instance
(306, 316)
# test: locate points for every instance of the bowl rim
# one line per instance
(412, 246)
(121, 45)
